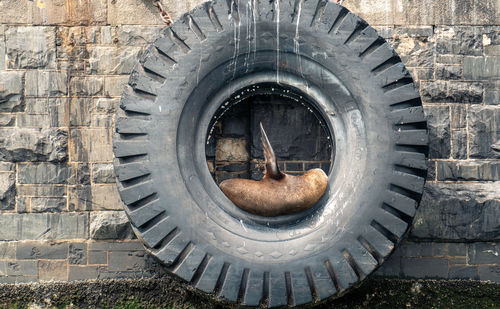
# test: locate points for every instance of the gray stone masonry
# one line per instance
(62, 68)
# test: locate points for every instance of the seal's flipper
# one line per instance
(272, 169)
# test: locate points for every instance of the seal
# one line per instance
(276, 193)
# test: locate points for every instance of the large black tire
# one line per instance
(369, 103)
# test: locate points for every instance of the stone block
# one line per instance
(83, 174)
(459, 144)
(464, 272)
(23, 204)
(8, 120)
(46, 83)
(30, 144)
(33, 121)
(11, 92)
(8, 250)
(32, 250)
(484, 136)
(18, 268)
(91, 145)
(77, 253)
(79, 112)
(231, 149)
(482, 68)
(103, 173)
(116, 245)
(431, 171)
(127, 261)
(114, 85)
(492, 93)
(451, 92)
(14, 11)
(468, 170)
(450, 59)
(58, 112)
(77, 273)
(7, 191)
(82, 12)
(414, 50)
(106, 197)
(438, 123)
(132, 35)
(119, 12)
(424, 268)
(48, 204)
(30, 47)
(97, 257)
(458, 116)
(113, 59)
(449, 72)
(7, 167)
(53, 270)
(41, 226)
(390, 268)
(458, 212)
(41, 190)
(489, 273)
(86, 86)
(450, 249)
(37, 106)
(459, 40)
(2, 47)
(80, 198)
(105, 106)
(109, 225)
(484, 253)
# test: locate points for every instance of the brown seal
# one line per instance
(277, 193)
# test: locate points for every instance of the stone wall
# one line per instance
(62, 67)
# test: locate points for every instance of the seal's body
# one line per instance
(277, 193)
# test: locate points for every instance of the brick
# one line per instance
(86, 86)
(127, 261)
(489, 273)
(77, 273)
(114, 85)
(46, 83)
(482, 68)
(32, 250)
(484, 135)
(103, 173)
(78, 253)
(452, 92)
(8, 250)
(438, 122)
(97, 257)
(79, 113)
(113, 59)
(44, 226)
(458, 212)
(484, 253)
(46, 173)
(87, 12)
(450, 249)
(11, 91)
(30, 47)
(106, 197)
(116, 245)
(464, 272)
(48, 204)
(42, 190)
(109, 225)
(7, 191)
(91, 145)
(18, 268)
(424, 267)
(53, 270)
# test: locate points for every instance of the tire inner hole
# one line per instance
(295, 128)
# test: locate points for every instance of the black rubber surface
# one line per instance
(221, 50)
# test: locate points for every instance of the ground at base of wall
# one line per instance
(170, 293)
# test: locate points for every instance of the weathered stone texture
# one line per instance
(482, 68)
(39, 145)
(438, 122)
(30, 47)
(85, 12)
(7, 191)
(451, 92)
(92, 145)
(113, 60)
(458, 212)
(484, 132)
(11, 91)
(46, 173)
(109, 225)
(46, 83)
